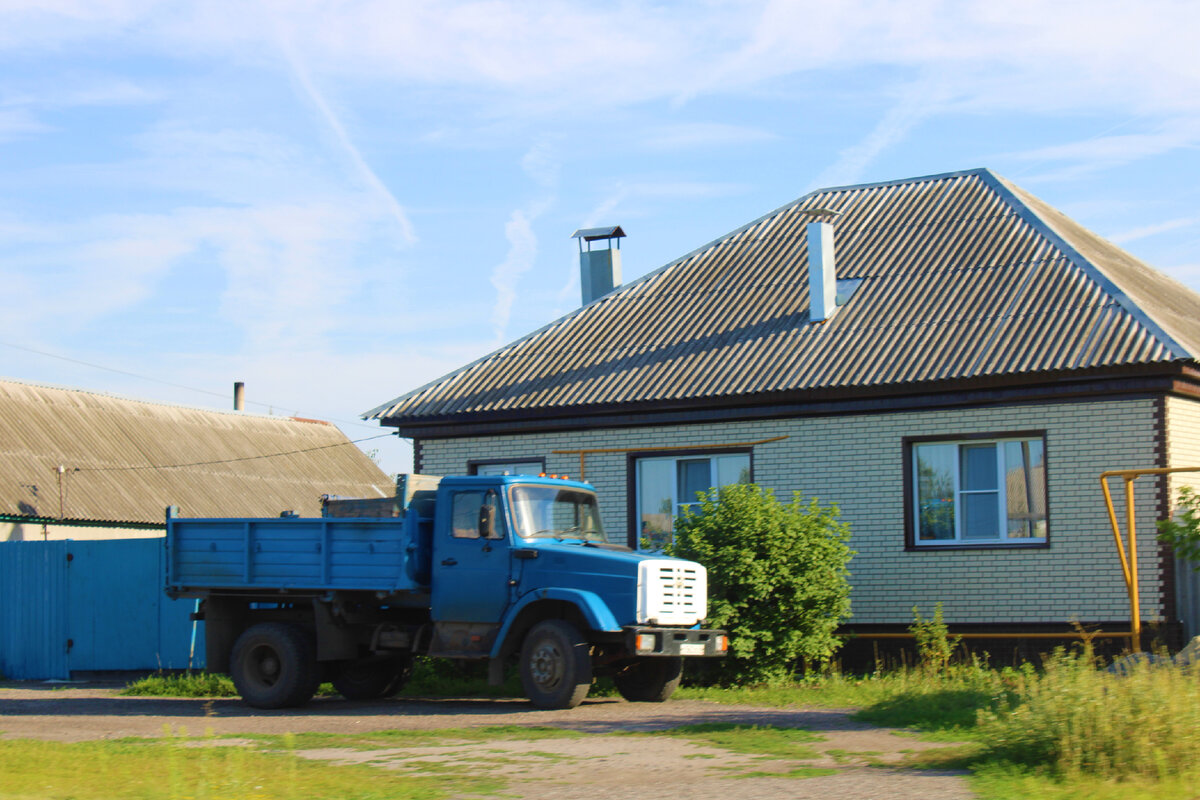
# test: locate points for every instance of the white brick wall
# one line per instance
(857, 462)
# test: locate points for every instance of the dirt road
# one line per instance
(867, 759)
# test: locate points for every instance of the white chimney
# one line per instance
(822, 267)
(599, 270)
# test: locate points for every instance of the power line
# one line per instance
(270, 406)
(227, 460)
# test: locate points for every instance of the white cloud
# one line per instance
(286, 269)
(19, 122)
(1103, 151)
(627, 192)
(702, 135)
(915, 104)
(1124, 237)
(522, 251)
(541, 163)
(1106, 51)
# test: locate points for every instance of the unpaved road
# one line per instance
(868, 760)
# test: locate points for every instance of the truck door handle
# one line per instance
(449, 562)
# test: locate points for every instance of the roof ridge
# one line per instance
(1011, 195)
(229, 412)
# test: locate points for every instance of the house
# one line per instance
(80, 465)
(947, 358)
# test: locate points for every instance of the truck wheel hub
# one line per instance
(546, 666)
(266, 664)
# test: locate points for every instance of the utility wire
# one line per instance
(270, 406)
(227, 460)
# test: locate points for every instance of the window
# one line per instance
(979, 491)
(664, 486)
(544, 512)
(467, 512)
(524, 467)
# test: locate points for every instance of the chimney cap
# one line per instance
(593, 234)
(821, 214)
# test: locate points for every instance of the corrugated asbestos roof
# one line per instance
(964, 276)
(123, 457)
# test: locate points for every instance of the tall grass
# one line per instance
(1069, 729)
(182, 684)
(1075, 720)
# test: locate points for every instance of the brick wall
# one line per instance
(857, 461)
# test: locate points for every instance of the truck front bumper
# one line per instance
(691, 642)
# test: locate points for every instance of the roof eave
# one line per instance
(1133, 378)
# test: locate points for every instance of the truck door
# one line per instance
(471, 569)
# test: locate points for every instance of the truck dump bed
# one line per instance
(294, 553)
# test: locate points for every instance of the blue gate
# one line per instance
(78, 606)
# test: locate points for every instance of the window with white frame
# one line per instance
(665, 485)
(979, 491)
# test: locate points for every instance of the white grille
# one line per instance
(671, 592)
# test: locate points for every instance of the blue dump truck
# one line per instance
(503, 568)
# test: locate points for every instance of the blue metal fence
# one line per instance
(78, 606)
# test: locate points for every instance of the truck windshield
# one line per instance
(546, 512)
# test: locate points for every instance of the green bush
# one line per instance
(777, 577)
(1183, 534)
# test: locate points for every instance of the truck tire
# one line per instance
(274, 665)
(649, 680)
(368, 679)
(556, 667)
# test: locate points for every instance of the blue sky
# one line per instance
(338, 202)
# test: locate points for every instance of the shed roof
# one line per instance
(127, 460)
(964, 276)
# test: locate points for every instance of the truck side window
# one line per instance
(464, 520)
(465, 514)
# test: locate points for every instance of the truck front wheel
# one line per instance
(556, 667)
(649, 680)
(274, 665)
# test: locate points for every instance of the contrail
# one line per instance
(364, 170)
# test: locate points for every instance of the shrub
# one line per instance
(777, 577)
(1183, 534)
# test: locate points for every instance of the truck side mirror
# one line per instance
(487, 521)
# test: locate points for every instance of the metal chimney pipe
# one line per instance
(239, 396)
(599, 270)
(822, 266)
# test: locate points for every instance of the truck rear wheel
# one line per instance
(556, 667)
(368, 679)
(649, 680)
(274, 665)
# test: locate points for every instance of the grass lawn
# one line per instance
(1068, 731)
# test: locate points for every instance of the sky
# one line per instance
(338, 202)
